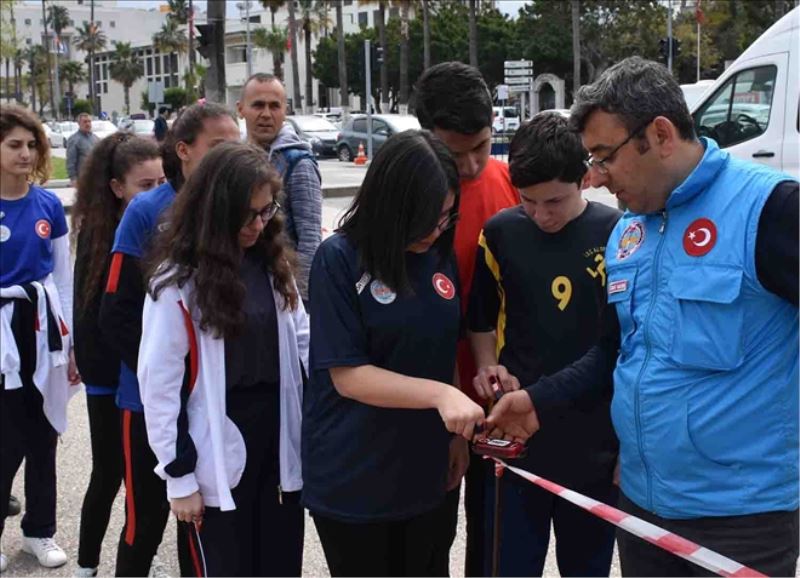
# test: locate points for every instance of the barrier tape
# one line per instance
(668, 541)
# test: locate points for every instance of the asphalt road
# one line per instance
(74, 464)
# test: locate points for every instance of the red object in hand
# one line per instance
(498, 448)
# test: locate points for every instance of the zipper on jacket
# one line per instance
(649, 348)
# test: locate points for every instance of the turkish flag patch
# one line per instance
(443, 286)
(700, 237)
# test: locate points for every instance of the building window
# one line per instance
(112, 24)
(394, 12)
(28, 42)
(158, 65)
(149, 67)
(363, 19)
(27, 22)
(174, 62)
(348, 2)
(71, 22)
(236, 54)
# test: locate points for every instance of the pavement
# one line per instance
(74, 460)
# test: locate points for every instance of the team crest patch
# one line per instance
(381, 293)
(632, 238)
(42, 228)
(699, 237)
(618, 286)
(443, 286)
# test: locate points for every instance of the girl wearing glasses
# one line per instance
(221, 368)
(381, 414)
(118, 168)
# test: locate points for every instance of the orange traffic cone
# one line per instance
(361, 158)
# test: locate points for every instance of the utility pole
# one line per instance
(92, 83)
(245, 5)
(191, 48)
(669, 35)
(46, 44)
(368, 71)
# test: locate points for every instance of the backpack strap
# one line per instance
(290, 158)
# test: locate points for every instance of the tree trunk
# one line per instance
(308, 103)
(403, 108)
(32, 82)
(46, 44)
(297, 101)
(8, 80)
(277, 64)
(780, 8)
(426, 35)
(576, 46)
(215, 77)
(381, 24)
(127, 99)
(191, 89)
(473, 34)
(90, 63)
(342, 63)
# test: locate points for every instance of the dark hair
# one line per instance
(546, 149)
(453, 96)
(13, 116)
(97, 210)
(162, 110)
(202, 238)
(400, 202)
(637, 91)
(260, 77)
(186, 128)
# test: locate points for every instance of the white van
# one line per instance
(753, 108)
(506, 119)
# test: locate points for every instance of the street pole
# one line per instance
(191, 51)
(669, 35)
(368, 71)
(249, 48)
(697, 17)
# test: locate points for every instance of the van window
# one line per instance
(360, 125)
(740, 109)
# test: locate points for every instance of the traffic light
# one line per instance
(676, 48)
(663, 48)
(377, 56)
(203, 40)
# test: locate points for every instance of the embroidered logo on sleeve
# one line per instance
(381, 293)
(618, 286)
(43, 228)
(700, 237)
(443, 286)
(632, 238)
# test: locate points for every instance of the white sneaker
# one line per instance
(3, 562)
(46, 551)
(81, 571)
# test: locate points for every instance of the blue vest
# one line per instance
(706, 385)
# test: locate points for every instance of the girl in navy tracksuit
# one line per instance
(35, 321)
(195, 132)
(221, 366)
(117, 169)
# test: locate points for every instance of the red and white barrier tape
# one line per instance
(657, 536)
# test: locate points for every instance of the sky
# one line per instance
(510, 7)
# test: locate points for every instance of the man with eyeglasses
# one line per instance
(703, 273)
(535, 307)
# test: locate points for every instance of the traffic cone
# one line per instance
(361, 158)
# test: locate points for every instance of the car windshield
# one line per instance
(404, 122)
(142, 125)
(68, 126)
(314, 124)
(103, 126)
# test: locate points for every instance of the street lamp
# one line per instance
(245, 6)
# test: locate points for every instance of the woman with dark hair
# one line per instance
(118, 168)
(198, 130)
(36, 358)
(380, 400)
(221, 367)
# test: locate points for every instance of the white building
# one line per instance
(120, 24)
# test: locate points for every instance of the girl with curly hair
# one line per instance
(35, 323)
(118, 168)
(222, 362)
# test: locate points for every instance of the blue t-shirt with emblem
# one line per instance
(137, 227)
(27, 229)
(360, 462)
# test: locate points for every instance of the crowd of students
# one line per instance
(213, 394)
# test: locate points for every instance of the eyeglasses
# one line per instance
(264, 214)
(447, 222)
(602, 164)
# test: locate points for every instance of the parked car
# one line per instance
(54, 136)
(753, 108)
(354, 132)
(318, 132)
(103, 128)
(333, 117)
(506, 119)
(142, 128)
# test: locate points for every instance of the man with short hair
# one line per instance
(703, 273)
(545, 258)
(263, 107)
(160, 127)
(79, 145)
(451, 100)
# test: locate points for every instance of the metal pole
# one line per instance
(249, 48)
(698, 48)
(498, 518)
(669, 35)
(368, 71)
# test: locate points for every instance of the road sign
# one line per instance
(519, 72)
(519, 89)
(502, 92)
(518, 81)
(509, 64)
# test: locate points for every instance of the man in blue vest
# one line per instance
(703, 273)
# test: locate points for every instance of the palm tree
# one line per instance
(57, 18)
(473, 34)
(314, 20)
(72, 73)
(125, 68)
(170, 39)
(215, 77)
(342, 58)
(576, 45)
(90, 39)
(48, 50)
(178, 11)
(273, 6)
(36, 57)
(426, 35)
(296, 99)
(273, 41)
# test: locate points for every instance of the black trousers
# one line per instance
(146, 506)
(263, 536)
(104, 427)
(26, 433)
(447, 521)
(478, 472)
(765, 542)
(397, 548)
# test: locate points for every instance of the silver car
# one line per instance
(354, 132)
